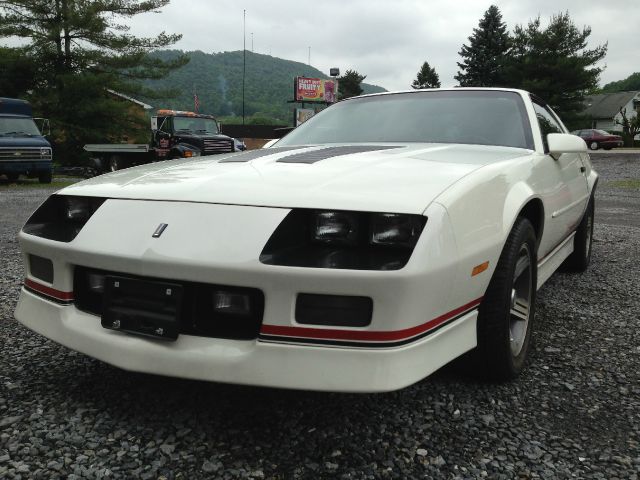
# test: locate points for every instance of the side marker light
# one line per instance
(479, 268)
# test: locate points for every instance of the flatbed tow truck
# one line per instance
(174, 134)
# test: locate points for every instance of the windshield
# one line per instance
(18, 127)
(195, 125)
(469, 117)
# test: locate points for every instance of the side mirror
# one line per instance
(44, 126)
(560, 143)
(154, 124)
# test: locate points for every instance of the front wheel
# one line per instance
(579, 260)
(505, 317)
(594, 145)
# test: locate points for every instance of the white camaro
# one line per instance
(380, 240)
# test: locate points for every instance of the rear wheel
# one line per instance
(507, 310)
(579, 260)
(594, 145)
(45, 177)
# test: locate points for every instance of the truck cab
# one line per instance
(179, 134)
(23, 148)
(174, 134)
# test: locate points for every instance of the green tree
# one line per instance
(427, 77)
(17, 72)
(555, 63)
(81, 49)
(349, 84)
(484, 58)
(630, 126)
(632, 82)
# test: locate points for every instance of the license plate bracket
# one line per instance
(142, 307)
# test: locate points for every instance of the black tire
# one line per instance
(504, 315)
(45, 177)
(12, 177)
(594, 145)
(579, 260)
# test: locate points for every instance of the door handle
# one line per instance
(582, 169)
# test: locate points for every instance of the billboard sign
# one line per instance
(315, 90)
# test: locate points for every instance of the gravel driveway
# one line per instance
(575, 413)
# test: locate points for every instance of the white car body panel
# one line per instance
(368, 181)
(221, 212)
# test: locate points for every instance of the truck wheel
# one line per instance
(506, 314)
(12, 177)
(116, 162)
(45, 177)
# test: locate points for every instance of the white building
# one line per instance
(604, 109)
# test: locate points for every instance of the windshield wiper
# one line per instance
(183, 130)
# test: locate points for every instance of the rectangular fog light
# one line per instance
(41, 268)
(333, 310)
(231, 303)
(95, 282)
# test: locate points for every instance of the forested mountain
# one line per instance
(217, 79)
(632, 82)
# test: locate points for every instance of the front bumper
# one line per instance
(419, 321)
(250, 362)
(26, 166)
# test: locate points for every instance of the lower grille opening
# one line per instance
(206, 310)
(333, 310)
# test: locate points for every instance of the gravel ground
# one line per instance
(575, 413)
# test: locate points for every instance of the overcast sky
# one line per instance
(386, 40)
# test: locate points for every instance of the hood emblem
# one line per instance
(159, 230)
(17, 154)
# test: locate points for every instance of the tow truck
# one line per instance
(174, 134)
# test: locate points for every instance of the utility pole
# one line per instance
(244, 56)
(309, 56)
(251, 42)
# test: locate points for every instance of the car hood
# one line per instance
(23, 141)
(389, 177)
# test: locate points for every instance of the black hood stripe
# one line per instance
(253, 154)
(330, 152)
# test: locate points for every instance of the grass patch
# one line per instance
(57, 183)
(628, 183)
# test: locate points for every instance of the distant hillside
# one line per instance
(632, 82)
(217, 78)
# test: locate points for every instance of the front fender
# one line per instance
(483, 208)
(518, 197)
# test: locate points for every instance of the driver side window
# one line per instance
(548, 124)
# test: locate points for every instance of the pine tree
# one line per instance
(349, 84)
(555, 63)
(427, 78)
(484, 57)
(79, 50)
